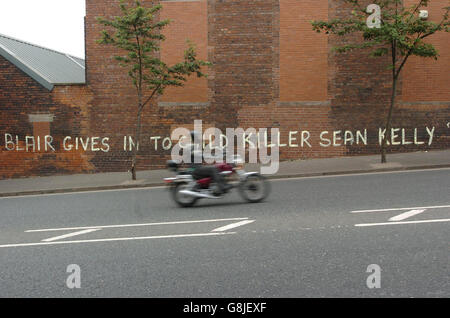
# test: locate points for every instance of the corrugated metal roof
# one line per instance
(48, 67)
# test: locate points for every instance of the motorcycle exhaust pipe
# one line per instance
(198, 194)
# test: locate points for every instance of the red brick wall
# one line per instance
(428, 79)
(244, 50)
(21, 96)
(188, 22)
(360, 89)
(113, 110)
(269, 70)
(303, 52)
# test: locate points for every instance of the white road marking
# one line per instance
(405, 222)
(69, 235)
(135, 225)
(401, 209)
(405, 215)
(232, 226)
(116, 239)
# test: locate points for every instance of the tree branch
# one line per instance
(438, 26)
(415, 10)
(140, 62)
(151, 96)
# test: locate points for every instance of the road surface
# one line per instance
(314, 237)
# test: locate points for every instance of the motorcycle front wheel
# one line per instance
(181, 199)
(254, 188)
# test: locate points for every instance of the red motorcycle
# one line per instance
(186, 189)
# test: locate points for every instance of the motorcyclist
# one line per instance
(200, 170)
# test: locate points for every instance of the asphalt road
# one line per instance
(313, 237)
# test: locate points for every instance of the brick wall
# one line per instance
(188, 22)
(113, 110)
(359, 88)
(303, 52)
(270, 70)
(28, 109)
(425, 89)
(427, 79)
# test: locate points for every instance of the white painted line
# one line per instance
(405, 215)
(135, 225)
(405, 222)
(69, 235)
(116, 239)
(232, 226)
(401, 209)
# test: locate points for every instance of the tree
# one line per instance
(388, 27)
(137, 33)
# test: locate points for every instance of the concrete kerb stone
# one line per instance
(272, 177)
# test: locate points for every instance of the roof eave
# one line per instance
(25, 68)
(69, 84)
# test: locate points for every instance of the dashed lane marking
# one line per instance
(402, 209)
(405, 215)
(232, 226)
(117, 239)
(56, 240)
(404, 222)
(69, 235)
(135, 225)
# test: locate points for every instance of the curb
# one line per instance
(273, 177)
(85, 189)
(362, 171)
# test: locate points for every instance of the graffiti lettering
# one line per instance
(395, 137)
(248, 139)
(33, 143)
(90, 143)
(348, 138)
(9, 144)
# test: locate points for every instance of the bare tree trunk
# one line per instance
(389, 120)
(140, 107)
(395, 74)
(138, 139)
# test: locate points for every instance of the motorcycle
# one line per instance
(187, 189)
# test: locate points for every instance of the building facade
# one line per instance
(269, 70)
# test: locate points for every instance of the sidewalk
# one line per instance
(290, 169)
